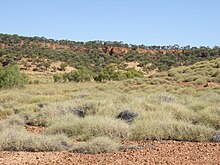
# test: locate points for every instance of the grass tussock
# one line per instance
(96, 146)
(166, 130)
(89, 127)
(14, 139)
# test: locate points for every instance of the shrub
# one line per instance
(58, 77)
(199, 81)
(80, 75)
(172, 73)
(132, 73)
(63, 66)
(10, 77)
(96, 145)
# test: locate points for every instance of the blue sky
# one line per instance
(149, 22)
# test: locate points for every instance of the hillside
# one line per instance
(38, 54)
(203, 73)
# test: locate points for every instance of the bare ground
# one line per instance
(148, 152)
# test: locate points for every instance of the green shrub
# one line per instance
(199, 81)
(80, 75)
(63, 66)
(96, 145)
(58, 77)
(11, 77)
(172, 73)
(132, 73)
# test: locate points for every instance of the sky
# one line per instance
(148, 22)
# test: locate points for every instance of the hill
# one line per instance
(39, 54)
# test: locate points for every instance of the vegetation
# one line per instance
(11, 77)
(97, 145)
(199, 74)
(164, 111)
(80, 114)
(106, 74)
(96, 55)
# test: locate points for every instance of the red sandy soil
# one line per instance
(34, 129)
(148, 152)
(3, 117)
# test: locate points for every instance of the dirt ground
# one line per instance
(148, 152)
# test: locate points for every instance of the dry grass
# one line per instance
(170, 129)
(96, 145)
(89, 127)
(14, 139)
(165, 111)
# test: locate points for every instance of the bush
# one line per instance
(199, 81)
(132, 73)
(10, 77)
(58, 77)
(80, 75)
(96, 145)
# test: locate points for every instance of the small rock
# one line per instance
(216, 137)
(79, 112)
(127, 116)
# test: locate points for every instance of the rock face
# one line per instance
(127, 116)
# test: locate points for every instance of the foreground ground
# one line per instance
(150, 152)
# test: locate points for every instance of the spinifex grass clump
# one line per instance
(96, 145)
(89, 127)
(170, 130)
(15, 139)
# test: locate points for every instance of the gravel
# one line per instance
(150, 152)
